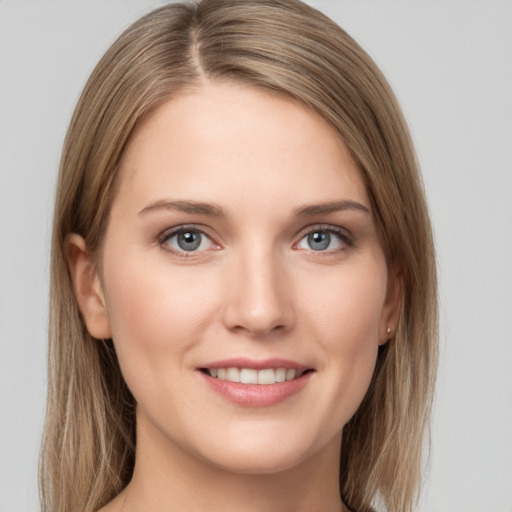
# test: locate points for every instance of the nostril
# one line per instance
(260, 304)
(258, 328)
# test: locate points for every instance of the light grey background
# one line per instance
(450, 63)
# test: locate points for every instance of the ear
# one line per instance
(88, 288)
(391, 309)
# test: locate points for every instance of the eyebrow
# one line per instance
(329, 207)
(214, 210)
(186, 207)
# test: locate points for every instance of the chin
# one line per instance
(261, 463)
(268, 453)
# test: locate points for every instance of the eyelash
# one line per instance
(345, 237)
(165, 236)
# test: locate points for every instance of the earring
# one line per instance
(389, 330)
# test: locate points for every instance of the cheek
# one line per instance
(155, 298)
(346, 312)
(157, 314)
(347, 305)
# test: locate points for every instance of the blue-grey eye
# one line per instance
(321, 241)
(188, 240)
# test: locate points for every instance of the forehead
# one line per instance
(223, 141)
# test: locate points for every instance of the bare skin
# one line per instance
(242, 230)
(214, 489)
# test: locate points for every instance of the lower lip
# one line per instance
(256, 395)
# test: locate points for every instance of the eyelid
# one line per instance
(167, 233)
(346, 236)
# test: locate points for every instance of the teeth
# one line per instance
(280, 374)
(248, 376)
(251, 376)
(290, 374)
(233, 374)
(267, 376)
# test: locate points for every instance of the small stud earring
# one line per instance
(389, 330)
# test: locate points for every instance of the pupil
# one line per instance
(319, 241)
(189, 241)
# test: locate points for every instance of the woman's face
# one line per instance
(241, 245)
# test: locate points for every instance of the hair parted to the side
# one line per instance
(284, 46)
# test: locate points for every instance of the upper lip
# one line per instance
(256, 364)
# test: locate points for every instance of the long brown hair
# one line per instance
(285, 46)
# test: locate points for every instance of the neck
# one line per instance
(168, 477)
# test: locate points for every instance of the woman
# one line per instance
(243, 305)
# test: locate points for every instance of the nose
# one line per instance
(259, 301)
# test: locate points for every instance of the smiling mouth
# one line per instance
(263, 377)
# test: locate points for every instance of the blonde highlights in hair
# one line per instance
(284, 46)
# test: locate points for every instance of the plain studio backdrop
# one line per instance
(450, 63)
